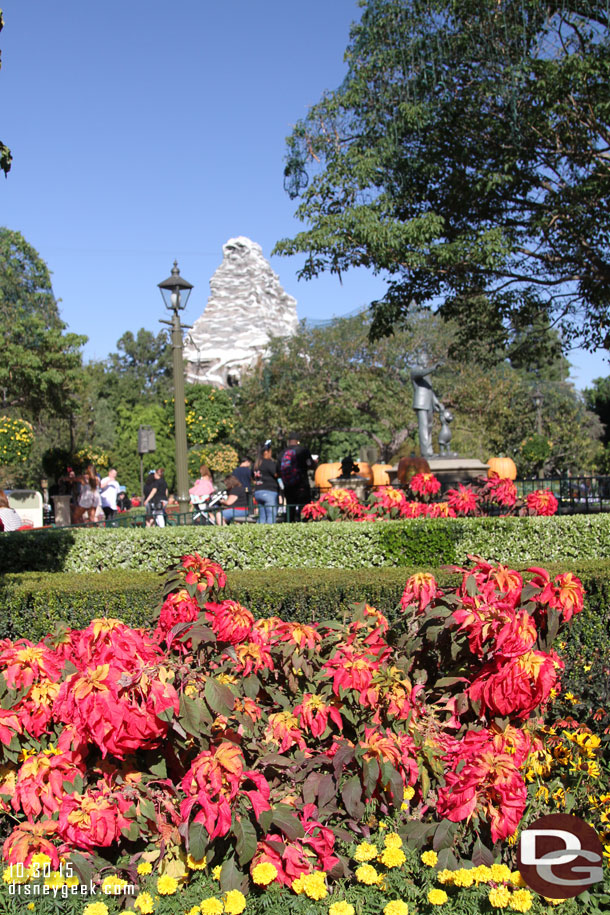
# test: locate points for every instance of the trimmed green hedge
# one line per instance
(321, 545)
(33, 603)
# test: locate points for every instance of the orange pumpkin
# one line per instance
(380, 474)
(409, 466)
(503, 466)
(326, 472)
(364, 470)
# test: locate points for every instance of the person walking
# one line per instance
(295, 462)
(109, 492)
(89, 497)
(157, 499)
(265, 473)
(10, 519)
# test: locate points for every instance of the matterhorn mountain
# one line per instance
(246, 307)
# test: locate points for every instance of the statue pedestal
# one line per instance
(456, 469)
(360, 485)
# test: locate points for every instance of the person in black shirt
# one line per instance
(236, 503)
(156, 498)
(294, 463)
(244, 472)
(266, 487)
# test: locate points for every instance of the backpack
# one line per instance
(289, 470)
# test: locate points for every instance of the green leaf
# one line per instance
(352, 797)
(245, 834)
(286, 820)
(219, 697)
(198, 838)
(230, 876)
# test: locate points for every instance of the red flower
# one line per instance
(213, 781)
(424, 484)
(565, 593)
(463, 500)
(230, 621)
(488, 784)
(205, 572)
(28, 839)
(93, 819)
(350, 669)
(313, 714)
(542, 502)
(283, 727)
(178, 607)
(312, 852)
(40, 786)
(502, 491)
(253, 655)
(515, 686)
(420, 589)
(314, 511)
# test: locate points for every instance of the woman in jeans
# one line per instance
(236, 503)
(266, 488)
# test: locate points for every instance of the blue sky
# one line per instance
(144, 131)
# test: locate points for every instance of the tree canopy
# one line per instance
(40, 362)
(466, 156)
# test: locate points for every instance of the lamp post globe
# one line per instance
(175, 291)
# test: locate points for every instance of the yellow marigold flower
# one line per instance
(396, 907)
(211, 906)
(216, 871)
(55, 880)
(516, 879)
(445, 876)
(96, 908)
(297, 885)
(113, 885)
(366, 873)
(409, 793)
(144, 903)
(40, 858)
(167, 885)
(553, 901)
(437, 897)
(341, 908)
(463, 877)
(521, 901)
(196, 865)
(16, 873)
(500, 873)
(314, 885)
(392, 840)
(31, 906)
(482, 873)
(145, 867)
(264, 873)
(499, 896)
(365, 852)
(429, 858)
(392, 857)
(194, 910)
(234, 902)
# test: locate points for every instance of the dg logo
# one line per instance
(560, 856)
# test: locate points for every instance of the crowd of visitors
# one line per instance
(267, 489)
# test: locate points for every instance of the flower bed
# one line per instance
(493, 495)
(255, 762)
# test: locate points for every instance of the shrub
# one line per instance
(323, 545)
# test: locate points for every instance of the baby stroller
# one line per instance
(205, 510)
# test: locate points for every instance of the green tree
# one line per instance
(342, 392)
(466, 154)
(141, 369)
(5, 153)
(41, 363)
(125, 452)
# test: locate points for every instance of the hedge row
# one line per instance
(321, 545)
(34, 603)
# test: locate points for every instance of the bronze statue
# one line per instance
(425, 402)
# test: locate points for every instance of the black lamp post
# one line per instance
(176, 291)
(538, 400)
